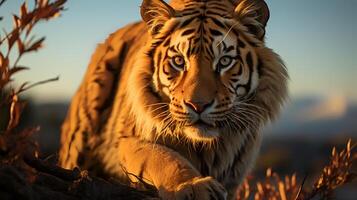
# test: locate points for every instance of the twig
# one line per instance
(301, 187)
(1, 2)
(42, 166)
(38, 83)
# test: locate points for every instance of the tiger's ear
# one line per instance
(155, 13)
(254, 14)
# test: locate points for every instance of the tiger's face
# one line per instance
(206, 68)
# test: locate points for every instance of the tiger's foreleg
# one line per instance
(168, 171)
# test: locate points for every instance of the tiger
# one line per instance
(178, 100)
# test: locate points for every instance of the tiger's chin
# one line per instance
(201, 132)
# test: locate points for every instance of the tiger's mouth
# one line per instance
(201, 131)
(200, 122)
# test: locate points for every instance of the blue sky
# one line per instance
(316, 39)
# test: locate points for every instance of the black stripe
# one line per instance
(234, 79)
(158, 61)
(191, 12)
(99, 82)
(187, 22)
(170, 78)
(235, 32)
(241, 44)
(202, 17)
(205, 40)
(110, 68)
(260, 68)
(211, 51)
(240, 71)
(231, 91)
(207, 57)
(172, 48)
(228, 49)
(218, 23)
(189, 48)
(188, 32)
(249, 61)
(196, 40)
(247, 86)
(215, 32)
(167, 42)
(232, 86)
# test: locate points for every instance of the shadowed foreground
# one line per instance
(45, 181)
(23, 176)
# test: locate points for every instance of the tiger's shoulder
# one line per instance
(128, 35)
(93, 101)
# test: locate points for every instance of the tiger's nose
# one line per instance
(198, 106)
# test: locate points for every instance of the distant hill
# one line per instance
(315, 116)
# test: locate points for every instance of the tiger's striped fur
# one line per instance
(178, 99)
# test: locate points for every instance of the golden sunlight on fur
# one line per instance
(178, 99)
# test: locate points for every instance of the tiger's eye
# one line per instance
(225, 61)
(179, 62)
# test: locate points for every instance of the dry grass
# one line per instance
(23, 176)
(336, 174)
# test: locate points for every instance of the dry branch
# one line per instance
(51, 181)
(334, 175)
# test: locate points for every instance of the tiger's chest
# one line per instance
(227, 161)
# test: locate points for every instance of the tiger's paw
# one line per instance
(205, 188)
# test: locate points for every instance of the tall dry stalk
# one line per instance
(19, 42)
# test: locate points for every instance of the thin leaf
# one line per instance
(28, 29)
(21, 88)
(48, 11)
(282, 192)
(23, 9)
(15, 112)
(301, 187)
(20, 46)
(27, 19)
(11, 39)
(1, 2)
(43, 3)
(24, 88)
(36, 45)
(17, 21)
(4, 61)
(16, 69)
